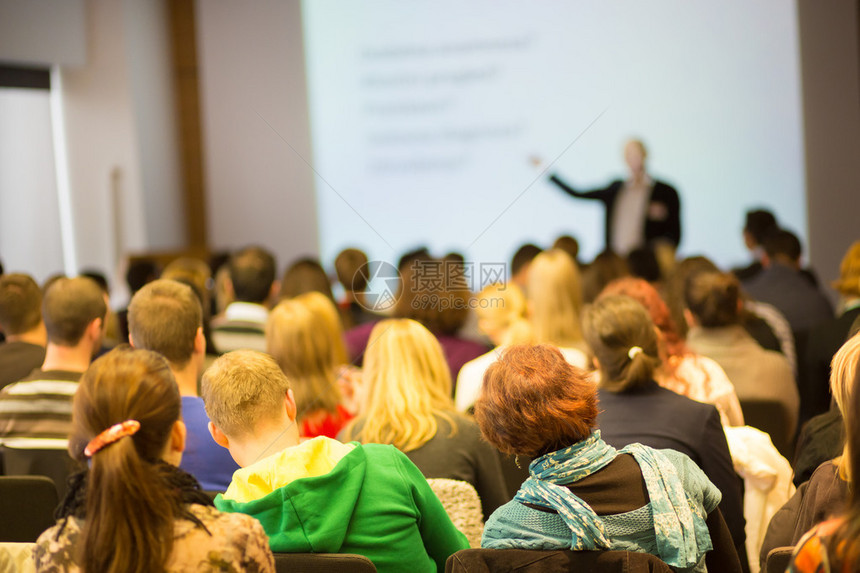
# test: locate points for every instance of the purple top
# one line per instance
(457, 350)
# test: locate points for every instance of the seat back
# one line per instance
(322, 563)
(463, 506)
(770, 416)
(54, 464)
(528, 561)
(27, 505)
(778, 559)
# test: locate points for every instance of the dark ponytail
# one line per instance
(620, 333)
(130, 509)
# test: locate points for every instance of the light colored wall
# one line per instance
(29, 219)
(120, 125)
(39, 31)
(830, 59)
(253, 108)
(101, 141)
(150, 71)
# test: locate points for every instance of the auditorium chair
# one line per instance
(322, 563)
(770, 416)
(27, 505)
(528, 561)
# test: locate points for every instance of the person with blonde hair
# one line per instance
(408, 404)
(320, 495)
(132, 510)
(555, 303)
(502, 318)
(834, 544)
(301, 341)
(347, 376)
(827, 490)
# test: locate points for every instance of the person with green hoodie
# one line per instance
(320, 495)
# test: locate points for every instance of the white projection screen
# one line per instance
(424, 115)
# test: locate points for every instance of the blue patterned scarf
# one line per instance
(680, 527)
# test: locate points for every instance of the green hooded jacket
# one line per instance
(374, 502)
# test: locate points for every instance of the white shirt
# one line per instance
(628, 215)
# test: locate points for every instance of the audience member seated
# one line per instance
(605, 268)
(21, 322)
(305, 275)
(351, 268)
(409, 406)
(713, 302)
(681, 370)
(824, 495)
(833, 544)
(757, 224)
(569, 245)
(582, 493)
(436, 295)
(554, 304)
(138, 274)
(302, 344)
(762, 321)
(521, 263)
(644, 265)
(111, 327)
(635, 409)
(196, 274)
(36, 412)
(502, 317)
(165, 316)
(825, 339)
(782, 284)
(437, 299)
(251, 274)
(320, 495)
(348, 377)
(133, 509)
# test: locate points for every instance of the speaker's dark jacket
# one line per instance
(662, 214)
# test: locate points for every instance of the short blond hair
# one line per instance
(243, 388)
(555, 298)
(408, 385)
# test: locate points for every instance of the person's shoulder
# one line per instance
(826, 473)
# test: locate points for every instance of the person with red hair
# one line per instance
(681, 370)
(582, 493)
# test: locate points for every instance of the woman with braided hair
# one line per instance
(133, 509)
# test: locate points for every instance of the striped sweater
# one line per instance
(36, 412)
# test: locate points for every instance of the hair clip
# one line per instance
(111, 435)
(634, 350)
